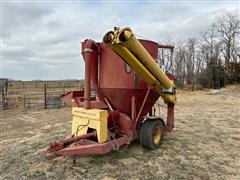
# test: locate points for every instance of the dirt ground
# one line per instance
(205, 144)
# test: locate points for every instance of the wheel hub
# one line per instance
(157, 135)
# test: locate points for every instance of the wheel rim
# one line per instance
(157, 135)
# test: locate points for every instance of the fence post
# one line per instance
(24, 101)
(45, 96)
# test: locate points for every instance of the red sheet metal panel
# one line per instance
(118, 84)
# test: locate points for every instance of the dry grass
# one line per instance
(204, 145)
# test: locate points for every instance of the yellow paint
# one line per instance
(169, 98)
(82, 119)
(139, 66)
(134, 45)
(132, 61)
(157, 135)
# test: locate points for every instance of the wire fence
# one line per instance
(44, 96)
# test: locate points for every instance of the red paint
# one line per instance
(166, 47)
(89, 52)
(58, 145)
(170, 118)
(90, 147)
(76, 98)
(133, 108)
(140, 111)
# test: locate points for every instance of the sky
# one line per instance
(41, 39)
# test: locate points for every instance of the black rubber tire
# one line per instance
(147, 132)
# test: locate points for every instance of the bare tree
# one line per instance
(228, 29)
(180, 64)
(210, 60)
(165, 57)
(191, 61)
(210, 51)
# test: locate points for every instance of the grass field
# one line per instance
(205, 144)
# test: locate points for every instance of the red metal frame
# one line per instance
(170, 118)
(136, 122)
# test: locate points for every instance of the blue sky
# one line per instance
(41, 39)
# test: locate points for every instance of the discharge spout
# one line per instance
(109, 37)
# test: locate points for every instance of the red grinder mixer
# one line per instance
(127, 81)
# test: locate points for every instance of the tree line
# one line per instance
(212, 60)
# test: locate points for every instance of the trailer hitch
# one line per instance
(58, 145)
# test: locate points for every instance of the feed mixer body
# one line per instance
(117, 104)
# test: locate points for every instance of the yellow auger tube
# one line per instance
(137, 66)
(133, 62)
(127, 38)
